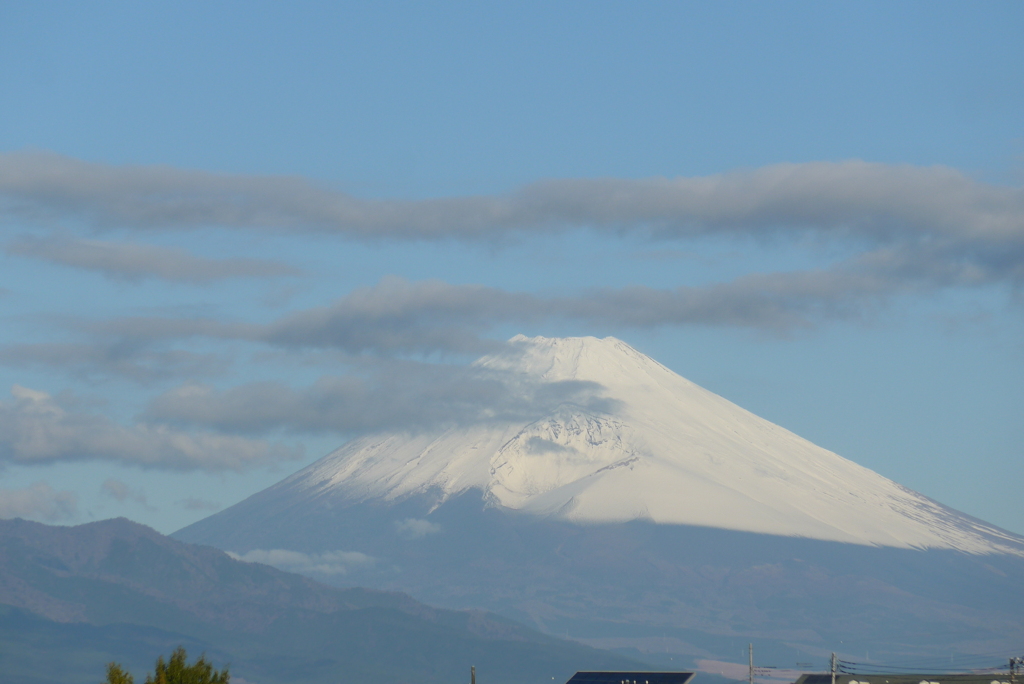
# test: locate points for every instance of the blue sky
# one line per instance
(236, 234)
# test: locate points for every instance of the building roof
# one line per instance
(633, 678)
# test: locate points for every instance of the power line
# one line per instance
(972, 664)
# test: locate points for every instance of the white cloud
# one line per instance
(400, 395)
(327, 563)
(99, 359)
(39, 501)
(865, 199)
(397, 316)
(916, 229)
(413, 528)
(121, 492)
(36, 428)
(130, 261)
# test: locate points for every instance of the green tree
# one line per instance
(176, 670)
(115, 675)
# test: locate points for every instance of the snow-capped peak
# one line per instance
(665, 450)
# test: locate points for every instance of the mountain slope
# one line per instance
(643, 507)
(665, 450)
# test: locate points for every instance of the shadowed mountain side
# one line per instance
(710, 590)
(106, 590)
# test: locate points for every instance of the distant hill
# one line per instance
(74, 598)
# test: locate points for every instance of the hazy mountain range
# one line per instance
(74, 598)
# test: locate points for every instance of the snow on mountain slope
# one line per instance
(663, 450)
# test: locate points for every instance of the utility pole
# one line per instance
(751, 649)
(833, 668)
(472, 674)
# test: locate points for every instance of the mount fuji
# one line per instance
(640, 511)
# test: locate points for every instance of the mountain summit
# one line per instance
(657, 448)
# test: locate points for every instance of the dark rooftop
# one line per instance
(631, 678)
